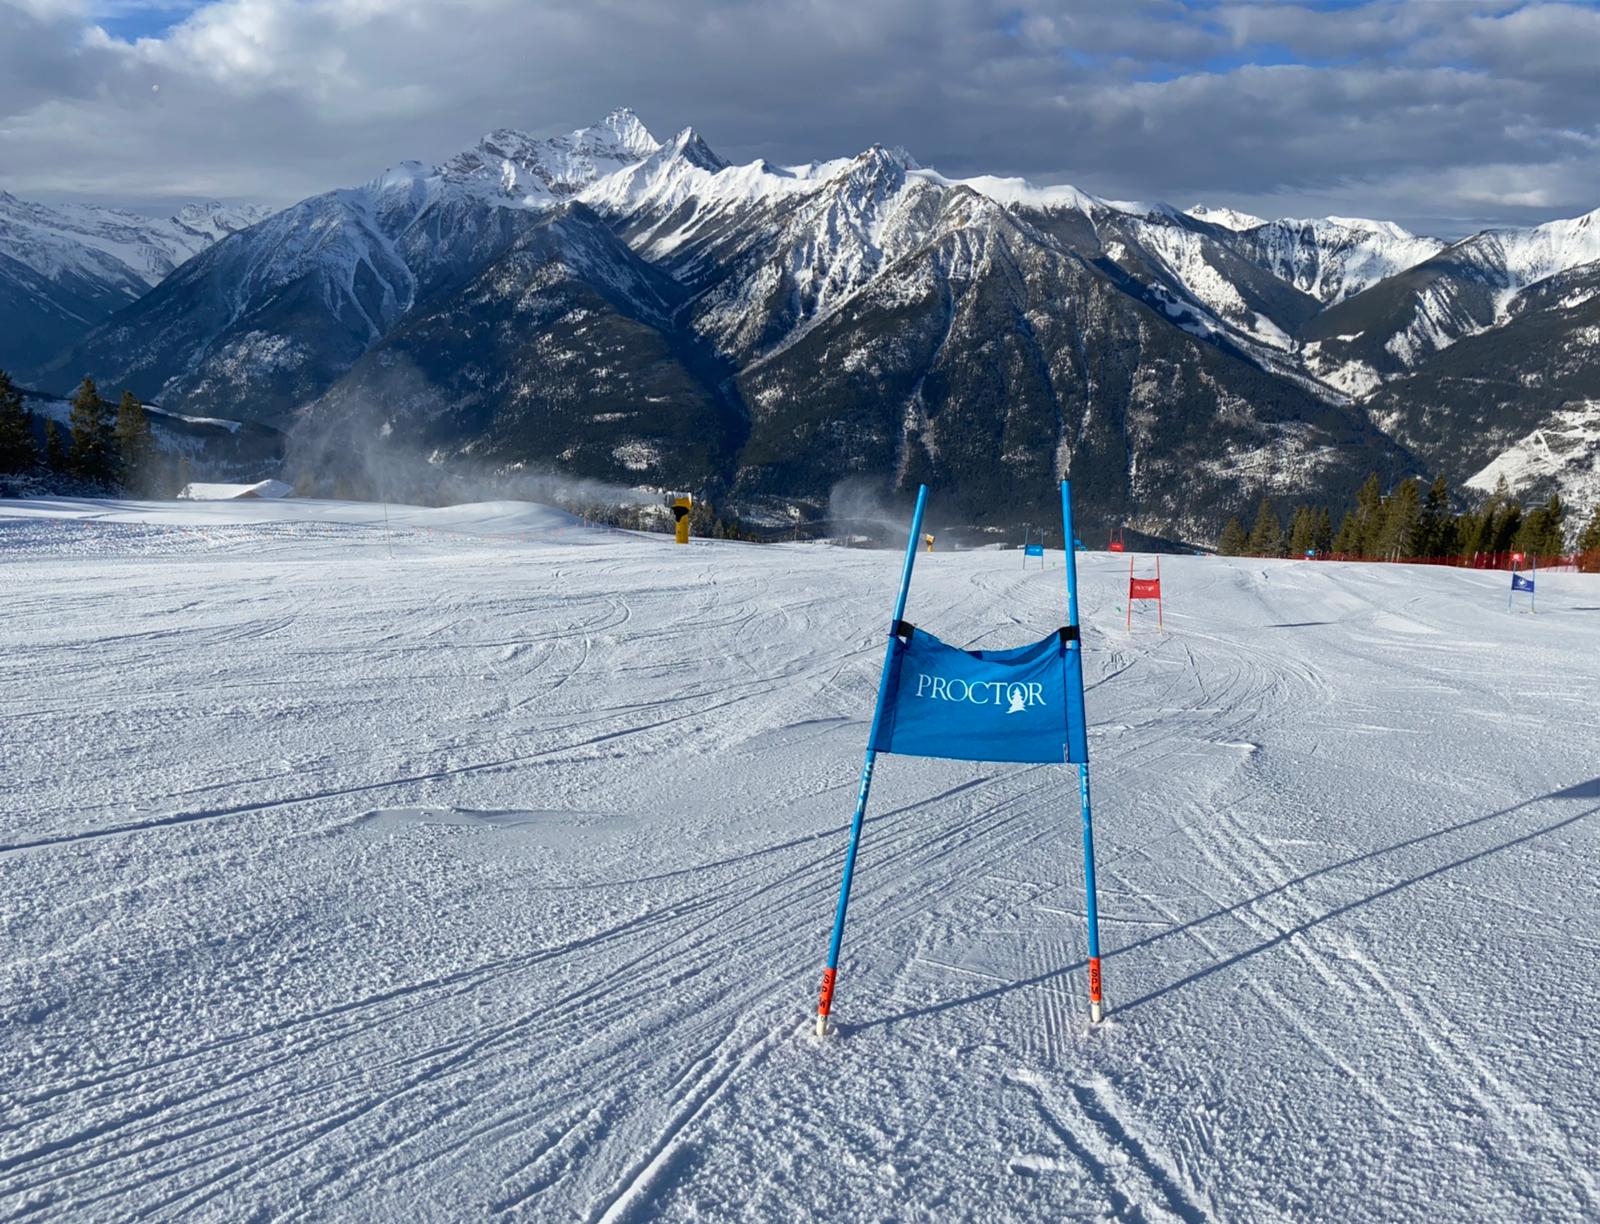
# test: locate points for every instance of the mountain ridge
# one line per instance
(67, 267)
(748, 263)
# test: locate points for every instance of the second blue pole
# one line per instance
(1096, 1003)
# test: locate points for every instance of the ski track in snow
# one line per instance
(494, 880)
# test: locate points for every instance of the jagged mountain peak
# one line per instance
(683, 168)
(688, 146)
(1228, 218)
(620, 135)
(886, 157)
(1530, 255)
(517, 167)
(1334, 258)
(622, 130)
(1385, 229)
(875, 174)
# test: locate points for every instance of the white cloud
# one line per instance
(275, 99)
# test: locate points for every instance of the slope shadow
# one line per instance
(1580, 790)
(1300, 624)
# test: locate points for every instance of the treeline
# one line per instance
(1409, 523)
(105, 445)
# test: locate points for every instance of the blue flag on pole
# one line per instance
(1521, 582)
(1033, 550)
(1021, 705)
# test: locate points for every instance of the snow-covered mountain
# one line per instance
(263, 323)
(1561, 456)
(1228, 218)
(525, 171)
(1334, 258)
(637, 310)
(58, 240)
(66, 267)
(1516, 398)
(1471, 286)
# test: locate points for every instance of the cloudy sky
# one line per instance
(1446, 115)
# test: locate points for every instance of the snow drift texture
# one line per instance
(496, 879)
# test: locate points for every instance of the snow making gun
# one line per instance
(680, 511)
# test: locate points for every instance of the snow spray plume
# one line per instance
(370, 437)
(859, 508)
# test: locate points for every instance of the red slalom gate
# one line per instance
(1145, 588)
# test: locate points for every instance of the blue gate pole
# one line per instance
(1096, 1004)
(825, 999)
(1533, 576)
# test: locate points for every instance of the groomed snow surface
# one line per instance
(494, 878)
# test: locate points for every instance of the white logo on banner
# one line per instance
(981, 692)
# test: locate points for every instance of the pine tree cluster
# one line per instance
(1310, 531)
(105, 446)
(1409, 523)
(17, 450)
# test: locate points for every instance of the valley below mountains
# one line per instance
(610, 307)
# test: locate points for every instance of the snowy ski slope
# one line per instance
(494, 879)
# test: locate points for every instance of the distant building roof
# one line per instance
(235, 492)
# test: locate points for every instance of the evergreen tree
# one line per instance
(701, 519)
(94, 439)
(1449, 541)
(56, 456)
(136, 445)
(1589, 537)
(1402, 513)
(1302, 531)
(1369, 515)
(1507, 523)
(1322, 533)
(1479, 529)
(1348, 542)
(1233, 542)
(1553, 540)
(16, 429)
(1434, 522)
(182, 480)
(1473, 528)
(1543, 532)
(1529, 531)
(1266, 537)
